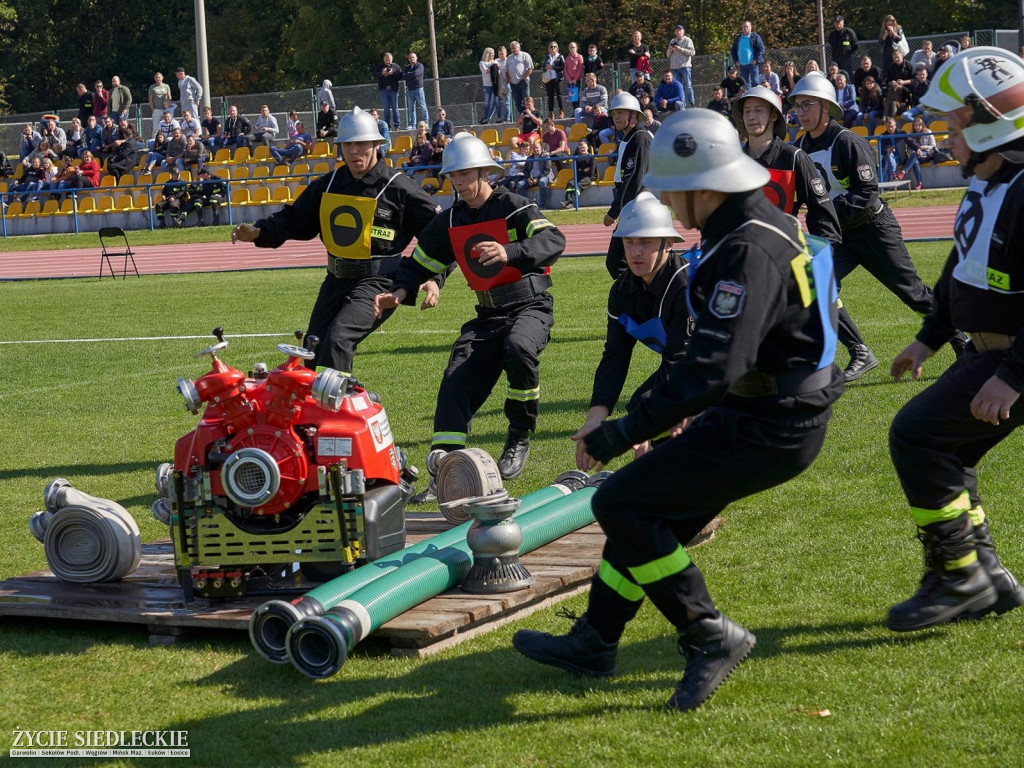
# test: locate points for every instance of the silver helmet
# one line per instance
(699, 149)
(644, 216)
(358, 125)
(816, 85)
(625, 101)
(466, 151)
(771, 98)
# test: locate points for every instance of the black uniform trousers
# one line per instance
(509, 338)
(343, 316)
(935, 442)
(615, 260)
(657, 503)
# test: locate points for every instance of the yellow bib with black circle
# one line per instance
(346, 225)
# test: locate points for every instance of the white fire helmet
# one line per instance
(644, 216)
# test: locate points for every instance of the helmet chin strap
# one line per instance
(976, 159)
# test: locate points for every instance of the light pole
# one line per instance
(202, 60)
(433, 54)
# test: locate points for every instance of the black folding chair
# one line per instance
(113, 233)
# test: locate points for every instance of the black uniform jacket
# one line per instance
(635, 150)
(850, 167)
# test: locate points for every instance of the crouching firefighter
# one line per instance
(938, 438)
(505, 247)
(759, 372)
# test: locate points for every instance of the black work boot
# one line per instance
(713, 648)
(954, 583)
(862, 360)
(514, 455)
(582, 651)
(1009, 592)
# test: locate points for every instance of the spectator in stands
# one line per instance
(504, 92)
(300, 144)
(680, 60)
(120, 99)
(439, 143)
(832, 72)
(326, 94)
(101, 98)
(529, 123)
(867, 68)
(518, 69)
(30, 139)
(160, 100)
(166, 126)
(733, 84)
(190, 125)
(669, 96)
(50, 170)
(945, 52)
(75, 139)
(54, 134)
(641, 84)
(769, 79)
(65, 178)
(157, 152)
(924, 55)
(326, 121)
(811, 66)
(290, 122)
(871, 103)
(890, 37)
(846, 95)
(413, 76)
(31, 180)
(929, 151)
(514, 170)
(601, 123)
(719, 103)
(747, 53)
(442, 126)
(538, 174)
(93, 137)
(125, 153)
(639, 56)
(211, 128)
(551, 74)
(237, 129)
(421, 153)
(85, 97)
(573, 74)
(592, 61)
(899, 154)
(789, 79)
(490, 75)
(593, 95)
(175, 151)
(266, 128)
(109, 137)
(586, 173)
(195, 155)
(41, 152)
(843, 43)
(965, 42)
(555, 142)
(609, 135)
(389, 80)
(383, 130)
(917, 89)
(189, 90)
(899, 75)
(652, 124)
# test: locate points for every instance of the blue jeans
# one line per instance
(505, 106)
(522, 187)
(490, 102)
(286, 155)
(417, 106)
(389, 100)
(910, 114)
(751, 73)
(685, 76)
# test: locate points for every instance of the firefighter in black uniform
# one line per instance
(647, 303)
(630, 167)
(208, 192)
(173, 199)
(871, 234)
(758, 369)
(937, 439)
(366, 214)
(505, 247)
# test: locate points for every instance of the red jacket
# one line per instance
(91, 170)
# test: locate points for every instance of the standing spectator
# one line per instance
(680, 60)
(844, 44)
(592, 62)
(190, 125)
(630, 167)
(517, 72)
(504, 92)
(925, 55)
(490, 74)
(733, 84)
(211, 127)
(769, 79)
(639, 56)
(101, 98)
(237, 129)
(442, 126)
(554, 65)
(389, 78)
(160, 100)
(189, 90)
(669, 96)
(719, 103)
(120, 99)
(326, 121)
(413, 76)
(846, 95)
(266, 128)
(573, 74)
(890, 38)
(593, 96)
(326, 94)
(85, 98)
(747, 52)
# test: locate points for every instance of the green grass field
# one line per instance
(810, 568)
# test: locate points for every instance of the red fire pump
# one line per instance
(291, 475)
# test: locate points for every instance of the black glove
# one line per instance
(607, 441)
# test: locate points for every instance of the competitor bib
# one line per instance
(345, 224)
(781, 190)
(464, 240)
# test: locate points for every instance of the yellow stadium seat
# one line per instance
(937, 126)
(563, 180)
(261, 172)
(578, 131)
(259, 196)
(240, 155)
(241, 173)
(50, 207)
(489, 136)
(104, 205)
(282, 194)
(14, 210)
(321, 168)
(260, 154)
(321, 149)
(608, 177)
(507, 136)
(239, 196)
(400, 144)
(300, 169)
(124, 203)
(221, 157)
(860, 130)
(31, 209)
(86, 204)
(106, 180)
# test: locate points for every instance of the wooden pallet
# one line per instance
(152, 596)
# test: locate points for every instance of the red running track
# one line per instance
(582, 239)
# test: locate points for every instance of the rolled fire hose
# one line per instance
(86, 539)
(463, 474)
(318, 645)
(271, 621)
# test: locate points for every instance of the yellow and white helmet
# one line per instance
(981, 91)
